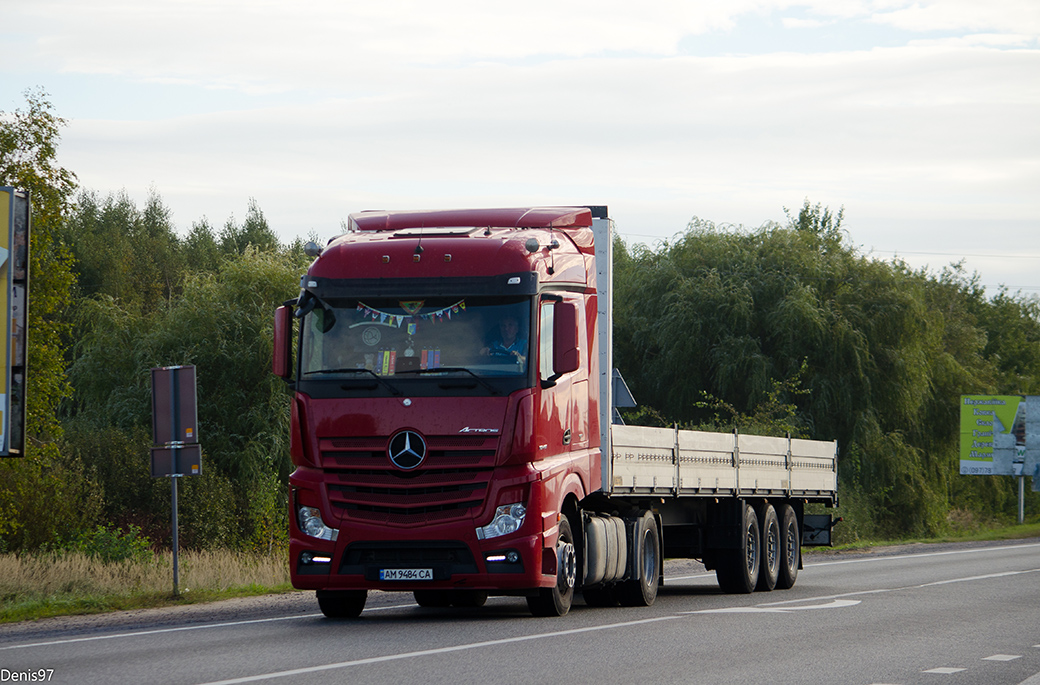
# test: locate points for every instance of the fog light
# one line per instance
(510, 556)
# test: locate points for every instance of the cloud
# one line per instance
(268, 46)
(971, 16)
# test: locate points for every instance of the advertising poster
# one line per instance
(992, 426)
(14, 303)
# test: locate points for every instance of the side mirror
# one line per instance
(566, 353)
(281, 359)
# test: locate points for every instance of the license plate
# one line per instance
(406, 574)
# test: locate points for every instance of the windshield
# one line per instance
(484, 337)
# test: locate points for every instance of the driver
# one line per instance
(508, 341)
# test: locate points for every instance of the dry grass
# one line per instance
(33, 586)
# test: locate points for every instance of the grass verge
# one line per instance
(1016, 532)
(59, 584)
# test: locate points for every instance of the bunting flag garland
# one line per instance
(396, 320)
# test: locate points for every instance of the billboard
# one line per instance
(14, 302)
(1000, 435)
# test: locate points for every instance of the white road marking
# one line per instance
(944, 670)
(907, 587)
(763, 609)
(1003, 657)
(153, 632)
(440, 650)
(985, 577)
(182, 628)
(976, 550)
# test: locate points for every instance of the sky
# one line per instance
(919, 118)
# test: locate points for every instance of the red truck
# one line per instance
(455, 435)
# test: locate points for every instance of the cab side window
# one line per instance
(545, 341)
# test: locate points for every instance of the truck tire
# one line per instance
(769, 569)
(790, 546)
(737, 570)
(433, 599)
(342, 603)
(556, 601)
(642, 591)
(468, 599)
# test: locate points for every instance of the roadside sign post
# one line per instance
(176, 451)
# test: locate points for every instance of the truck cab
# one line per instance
(444, 419)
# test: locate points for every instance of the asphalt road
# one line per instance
(943, 615)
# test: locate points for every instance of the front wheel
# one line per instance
(556, 601)
(342, 603)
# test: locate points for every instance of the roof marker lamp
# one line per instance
(311, 524)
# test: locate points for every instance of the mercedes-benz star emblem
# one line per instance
(407, 450)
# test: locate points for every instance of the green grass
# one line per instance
(1015, 532)
(64, 605)
(36, 586)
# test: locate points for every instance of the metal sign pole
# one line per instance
(176, 452)
(1021, 499)
(173, 491)
(176, 430)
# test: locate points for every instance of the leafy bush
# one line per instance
(109, 545)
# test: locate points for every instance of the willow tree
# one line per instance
(879, 351)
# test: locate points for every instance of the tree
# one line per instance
(28, 148)
(254, 232)
(220, 323)
(43, 496)
(131, 255)
(788, 325)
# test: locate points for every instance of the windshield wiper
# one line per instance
(375, 375)
(462, 369)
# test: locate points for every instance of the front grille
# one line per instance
(364, 485)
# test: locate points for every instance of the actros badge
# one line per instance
(407, 450)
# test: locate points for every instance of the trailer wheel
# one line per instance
(737, 570)
(556, 601)
(642, 591)
(790, 547)
(342, 603)
(770, 565)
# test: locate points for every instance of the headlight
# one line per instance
(508, 519)
(311, 524)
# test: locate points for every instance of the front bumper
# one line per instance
(449, 554)
(510, 563)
